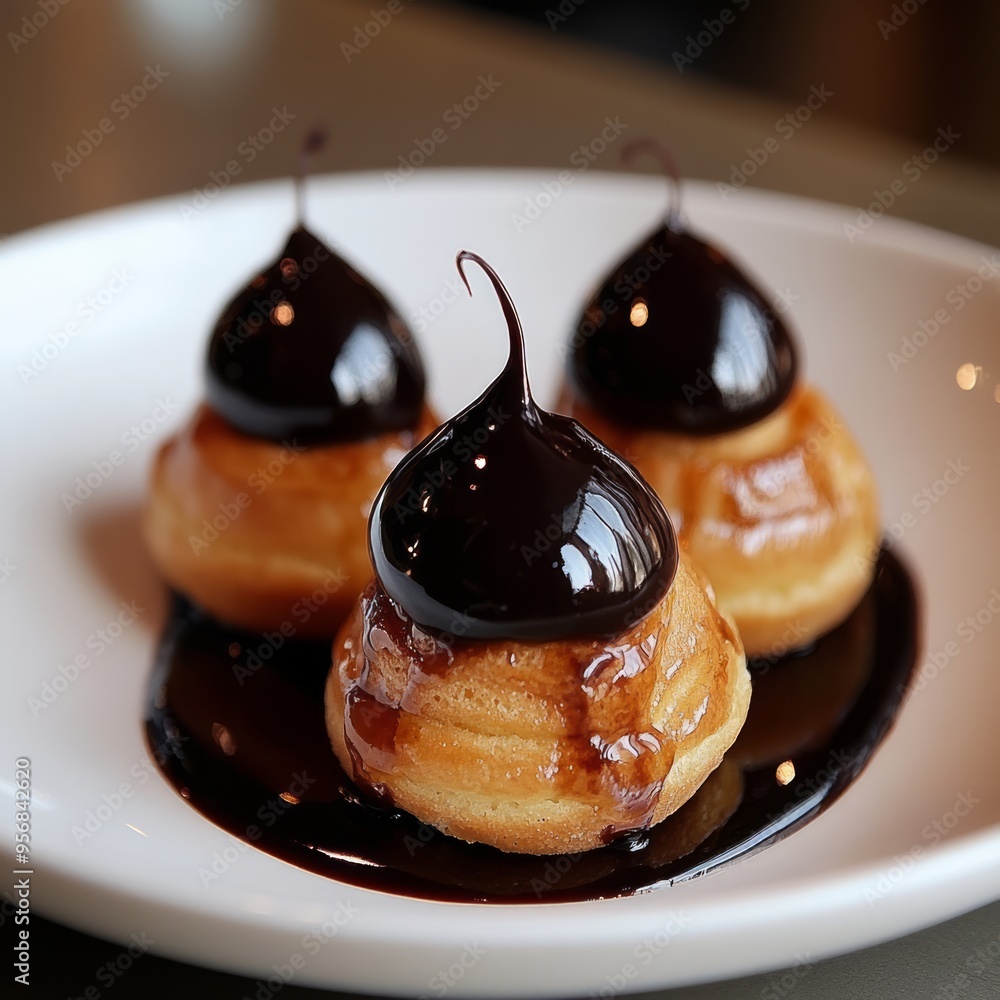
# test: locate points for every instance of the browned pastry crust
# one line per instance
(782, 516)
(265, 535)
(539, 748)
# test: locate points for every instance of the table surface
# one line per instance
(178, 85)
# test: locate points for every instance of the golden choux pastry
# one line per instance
(539, 748)
(263, 534)
(535, 666)
(314, 390)
(782, 516)
(680, 363)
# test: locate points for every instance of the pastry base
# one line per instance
(267, 536)
(782, 516)
(539, 748)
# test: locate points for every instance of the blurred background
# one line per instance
(711, 77)
(107, 102)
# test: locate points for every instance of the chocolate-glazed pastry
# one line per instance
(311, 350)
(535, 666)
(314, 390)
(680, 363)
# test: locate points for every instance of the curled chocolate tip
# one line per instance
(510, 522)
(661, 153)
(516, 358)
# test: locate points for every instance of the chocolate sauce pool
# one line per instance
(236, 721)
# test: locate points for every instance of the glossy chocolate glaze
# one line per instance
(678, 338)
(238, 728)
(512, 522)
(310, 349)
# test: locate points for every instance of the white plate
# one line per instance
(873, 867)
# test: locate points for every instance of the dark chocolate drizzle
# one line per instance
(310, 349)
(678, 338)
(510, 522)
(235, 722)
